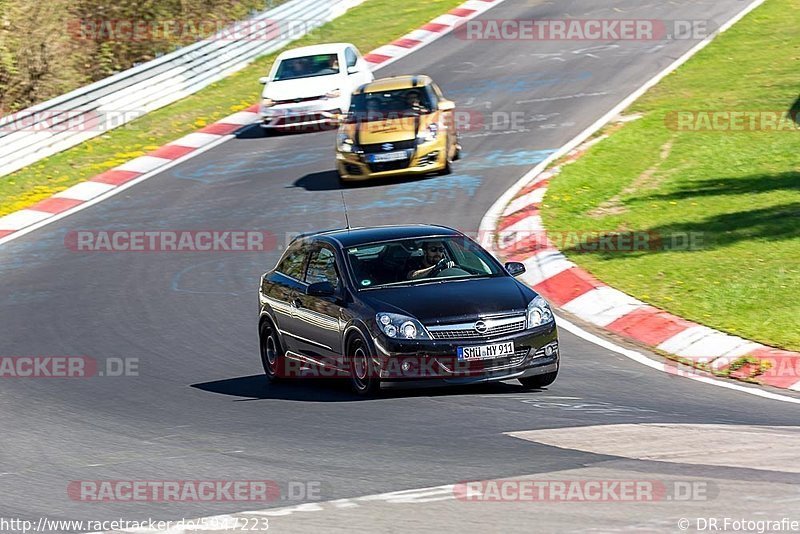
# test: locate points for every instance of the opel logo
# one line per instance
(387, 146)
(481, 327)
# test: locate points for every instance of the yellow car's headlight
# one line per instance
(344, 143)
(428, 135)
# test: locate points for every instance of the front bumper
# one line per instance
(435, 362)
(425, 158)
(285, 116)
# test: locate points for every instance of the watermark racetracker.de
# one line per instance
(149, 491)
(574, 29)
(54, 366)
(189, 29)
(169, 241)
(575, 490)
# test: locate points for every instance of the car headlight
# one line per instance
(400, 326)
(336, 93)
(428, 134)
(344, 143)
(539, 313)
(267, 102)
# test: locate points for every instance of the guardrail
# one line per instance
(68, 120)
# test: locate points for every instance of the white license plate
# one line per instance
(484, 352)
(387, 156)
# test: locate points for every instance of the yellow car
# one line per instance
(397, 126)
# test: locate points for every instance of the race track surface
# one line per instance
(200, 407)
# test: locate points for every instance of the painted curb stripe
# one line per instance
(649, 325)
(115, 177)
(56, 205)
(171, 151)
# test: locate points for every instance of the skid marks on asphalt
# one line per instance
(574, 404)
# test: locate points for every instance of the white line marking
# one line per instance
(659, 366)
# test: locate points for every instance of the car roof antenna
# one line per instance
(346, 218)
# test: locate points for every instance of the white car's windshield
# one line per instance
(307, 67)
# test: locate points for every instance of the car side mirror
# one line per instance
(447, 105)
(320, 289)
(352, 70)
(515, 268)
(263, 80)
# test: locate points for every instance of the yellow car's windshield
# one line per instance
(383, 105)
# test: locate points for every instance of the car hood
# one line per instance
(304, 87)
(389, 130)
(451, 301)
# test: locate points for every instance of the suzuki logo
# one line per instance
(387, 146)
(481, 327)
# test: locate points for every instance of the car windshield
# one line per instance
(389, 104)
(412, 261)
(307, 66)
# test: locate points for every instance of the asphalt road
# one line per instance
(200, 409)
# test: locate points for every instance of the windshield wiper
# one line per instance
(425, 281)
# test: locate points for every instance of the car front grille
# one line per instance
(502, 328)
(384, 166)
(353, 169)
(506, 362)
(396, 145)
(298, 100)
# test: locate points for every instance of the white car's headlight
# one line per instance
(539, 313)
(428, 134)
(400, 326)
(345, 143)
(267, 102)
(336, 93)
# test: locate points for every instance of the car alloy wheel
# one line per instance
(362, 371)
(271, 352)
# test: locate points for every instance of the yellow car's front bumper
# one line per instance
(426, 158)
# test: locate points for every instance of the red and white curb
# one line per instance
(110, 182)
(518, 233)
(521, 236)
(438, 27)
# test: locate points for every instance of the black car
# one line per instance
(402, 306)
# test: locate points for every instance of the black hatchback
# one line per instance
(397, 306)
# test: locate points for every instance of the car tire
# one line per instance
(363, 376)
(272, 356)
(538, 381)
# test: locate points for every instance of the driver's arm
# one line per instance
(421, 273)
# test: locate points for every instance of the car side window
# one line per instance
(293, 263)
(434, 100)
(322, 267)
(351, 57)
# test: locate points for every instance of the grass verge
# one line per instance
(372, 24)
(736, 191)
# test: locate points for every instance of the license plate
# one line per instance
(387, 156)
(484, 352)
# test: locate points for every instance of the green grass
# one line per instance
(372, 24)
(740, 192)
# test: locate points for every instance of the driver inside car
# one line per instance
(433, 261)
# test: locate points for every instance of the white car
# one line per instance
(312, 85)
